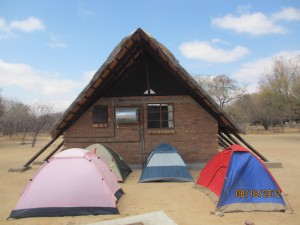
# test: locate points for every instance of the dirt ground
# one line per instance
(182, 203)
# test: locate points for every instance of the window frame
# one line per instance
(170, 122)
(103, 120)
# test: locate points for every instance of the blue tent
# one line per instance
(238, 181)
(165, 164)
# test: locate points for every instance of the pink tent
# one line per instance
(74, 182)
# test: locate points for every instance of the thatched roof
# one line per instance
(126, 53)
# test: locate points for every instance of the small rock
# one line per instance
(219, 214)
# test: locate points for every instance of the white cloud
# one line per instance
(257, 23)
(287, 14)
(5, 32)
(84, 12)
(25, 77)
(242, 9)
(46, 86)
(88, 75)
(250, 73)
(57, 45)
(218, 40)
(61, 104)
(206, 51)
(28, 25)
(56, 42)
(2, 24)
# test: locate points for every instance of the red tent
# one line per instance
(237, 180)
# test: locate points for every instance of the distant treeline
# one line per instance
(19, 118)
(276, 102)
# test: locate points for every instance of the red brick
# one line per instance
(195, 129)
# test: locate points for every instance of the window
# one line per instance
(160, 116)
(100, 114)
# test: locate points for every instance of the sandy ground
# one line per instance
(182, 203)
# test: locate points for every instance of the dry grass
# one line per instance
(180, 201)
(272, 130)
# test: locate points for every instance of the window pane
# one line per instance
(153, 124)
(164, 108)
(160, 116)
(171, 123)
(164, 124)
(164, 115)
(100, 114)
(153, 109)
(154, 116)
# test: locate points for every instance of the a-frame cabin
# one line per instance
(141, 97)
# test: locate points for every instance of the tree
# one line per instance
(21, 118)
(243, 110)
(252, 109)
(53, 117)
(278, 98)
(222, 88)
(38, 117)
(14, 117)
(1, 104)
(265, 105)
(282, 76)
(296, 94)
(281, 86)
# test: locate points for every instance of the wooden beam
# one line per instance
(26, 166)
(250, 147)
(225, 145)
(55, 150)
(226, 139)
(231, 138)
(39, 153)
(221, 144)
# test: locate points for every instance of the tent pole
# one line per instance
(250, 147)
(55, 150)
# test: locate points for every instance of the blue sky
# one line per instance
(50, 49)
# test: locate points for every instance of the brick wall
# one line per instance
(194, 134)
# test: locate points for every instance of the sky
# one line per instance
(50, 49)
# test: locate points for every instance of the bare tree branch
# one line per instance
(222, 88)
(39, 116)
